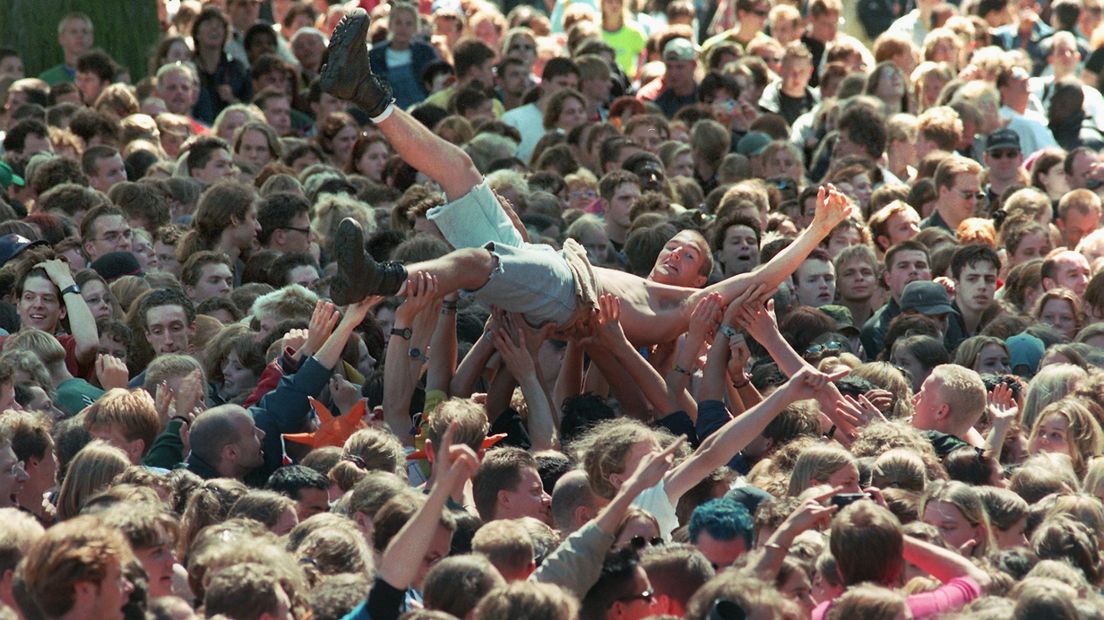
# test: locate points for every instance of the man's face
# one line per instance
(560, 82)
(166, 257)
(277, 113)
(795, 74)
(1076, 226)
(1004, 164)
(295, 238)
(113, 435)
(158, 562)
(328, 104)
(109, 171)
(244, 13)
(254, 148)
(514, 80)
(312, 502)
(1064, 56)
(111, 233)
(250, 438)
(1032, 246)
(12, 476)
(76, 37)
(740, 252)
(680, 74)
(597, 89)
(647, 136)
(756, 18)
(908, 266)
(277, 78)
(178, 91)
(528, 499)
(168, 329)
(35, 143)
(720, 553)
(680, 262)
(247, 228)
(624, 197)
(303, 275)
(90, 86)
(214, 279)
(902, 226)
(857, 280)
(220, 166)
(1072, 272)
(976, 287)
(111, 593)
(1083, 164)
(825, 26)
(816, 283)
(1015, 93)
(927, 403)
(959, 201)
(308, 50)
(39, 305)
(484, 73)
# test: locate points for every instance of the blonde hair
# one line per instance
(90, 471)
(1083, 434)
(1051, 384)
(132, 412)
(899, 469)
(603, 450)
(374, 450)
(870, 602)
(331, 209)
(815, 465)
(525, 599)
(506, 543)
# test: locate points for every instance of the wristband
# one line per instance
(681, 370)
(72, 288)
(728, 332)
(448, 305)
(404, 332)
(740, 386)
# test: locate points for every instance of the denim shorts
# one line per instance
(533, 280)
(474, 220)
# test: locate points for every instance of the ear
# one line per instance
(429, 450)
(943, 412)
(189, 291)
(1049, 283)
(883, 242)
(87, 248)
(1060, 223)
(604, 203)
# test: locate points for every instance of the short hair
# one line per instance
(98, 63)
(264, 506)
(904, 246)
(132, 412)
(865, 126)
(292, 479)
(609, 183)
(969, 255)
(951, 167)
(292, 301)
(142, 201)
(202, 149)
(21, 530)
(16, 138)
(1083, 201)
(526, 599)
(71, 552)
(963, 391)
(867, 544)
(166, 297)
(192, 269)
(942, 126)
(471, 420)
(506, 543)
(723, 519)
(470, 53)
(457, 583)
(243, 591)
(499, 471)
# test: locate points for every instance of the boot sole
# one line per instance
(351, 30)
(352, 266)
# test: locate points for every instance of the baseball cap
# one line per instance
(679, 49)
(753, 143)
(845, 323)
(926, 297)
(1003, 138)
(114, 265)
(1024, 353)
(8, 177)
(12, 244)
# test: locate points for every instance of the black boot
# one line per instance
(347, 73)
(358, 276)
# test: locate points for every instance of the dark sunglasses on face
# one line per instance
(647, 596)
(1004, 153)
(639, 542)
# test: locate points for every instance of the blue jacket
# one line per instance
(285, 410)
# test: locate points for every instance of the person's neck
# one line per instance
(860, 310)
(613, 22)
(60, 375)
(1062, 72)
(746, 32)
(794, 93)
(615, 233)
(228, 247)
(30, 499)
(209, 58)
(951, 220)
(999, 185)
(706, 169)
(892, 107)
(399, 46)
(457, 497)
(71, 59)
(970, 318)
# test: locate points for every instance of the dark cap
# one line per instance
(845, 323)
(926, 297)
(12, 244)
(114, 265)
(753, 143)
(1003, 138)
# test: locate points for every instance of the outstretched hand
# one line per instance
(458, 462)
(651, 469)
(832, 207)
(322, 323)
(704, 319)
(757, 320)
(1002, 405)
(422, 290)
(609, 320)
(811, 383)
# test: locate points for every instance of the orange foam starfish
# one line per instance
(332, 430)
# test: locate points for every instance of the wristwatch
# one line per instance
(728, 332)
(72, 288)
(417, 355)
(405, 332)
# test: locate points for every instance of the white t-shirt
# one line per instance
(655, 502)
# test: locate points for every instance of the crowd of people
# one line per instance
(553, 309)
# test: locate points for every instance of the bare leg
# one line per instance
(467, 268)
(437, 158)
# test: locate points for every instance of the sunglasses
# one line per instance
(968, 194)
(639, 542)
(759, 12)
(821, 349)
(1004, 153)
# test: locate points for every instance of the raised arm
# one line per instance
(721, 446)
(645, 378)
(943, 564)
(398, 382)
(542, 424)
(442, 364)
(832, 208)
(703, 324)
(82, 325)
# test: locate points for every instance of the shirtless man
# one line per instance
(492, 258)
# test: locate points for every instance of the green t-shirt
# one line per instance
(56, 75)
(76, 394)
(628, 42)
